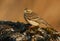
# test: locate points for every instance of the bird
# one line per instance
(33, 19)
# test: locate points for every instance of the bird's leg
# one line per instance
(33, 26)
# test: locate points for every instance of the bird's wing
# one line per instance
(33, 22)
(42, 22)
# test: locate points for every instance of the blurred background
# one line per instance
(49, 10)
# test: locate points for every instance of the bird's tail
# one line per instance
(45, 23)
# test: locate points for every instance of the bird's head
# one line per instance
(28, 11)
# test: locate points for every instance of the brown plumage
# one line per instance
(33, 19)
